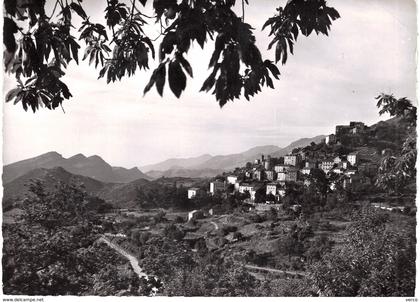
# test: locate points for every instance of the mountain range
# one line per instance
(207, 165)
(93, 166)
(122, 194)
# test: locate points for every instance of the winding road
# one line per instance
(133, 261)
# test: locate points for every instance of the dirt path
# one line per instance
(133, 261)
(216, 227)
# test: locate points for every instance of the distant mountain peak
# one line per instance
(51, 154)
(78, 156)
(95, 157)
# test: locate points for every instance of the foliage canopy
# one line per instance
(40, 45)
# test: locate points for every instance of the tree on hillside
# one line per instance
(318, 181)
(53, 249)
(397, 170)
(377, 259)
(40, 42)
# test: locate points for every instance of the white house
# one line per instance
(352, 158)
(291, 159)
(306, 171)
(280, 168)
(251, 188)
(232, 179)
(271, 189)
(243, 187)
(281, 176)
(344, 164)
(326, 165)
(192, 192)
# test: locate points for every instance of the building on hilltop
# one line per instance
(327, 165)
(281, 176)
(280, 168)
(244, 187)
(330, 139)
(303, 154)
(292, 175)
(277, 189)
(272, 188)
(258, 175)
(269, 175)
(268, 162)
(192, 192)
(292, 159)
(353, 158)
(342, 130)
(306, 171)
(357, 127)
(232, 179)
(344, 164)
(217, 186)
(251, 188)
(352, 128)
(311, 164)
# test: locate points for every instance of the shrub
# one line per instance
(172, 232)
(159, 217)
(256, 218)
(179, 219)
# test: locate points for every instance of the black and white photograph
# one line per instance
(209, 148)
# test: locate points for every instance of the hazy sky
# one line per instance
(330, 80)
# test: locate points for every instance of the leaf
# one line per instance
(12, 94)
(167, 45)
(150, 44)
(78, 9)
(74, 46)
(269, 22)
(151, 82)
(177, 78)
(160, 78)
(209, 82)
(269, 82)
(185, 64)
(273, 68)
(218, 47)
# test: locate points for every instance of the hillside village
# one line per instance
(266, 179)
(262, 229)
